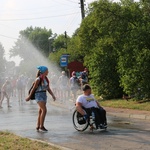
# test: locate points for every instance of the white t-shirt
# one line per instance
(87, 101)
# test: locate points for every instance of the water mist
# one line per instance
(34, 58)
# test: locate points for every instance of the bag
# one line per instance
(80, 119)
(33, 94)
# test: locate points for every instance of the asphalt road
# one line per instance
(122, 133)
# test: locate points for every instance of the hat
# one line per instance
(42, 68)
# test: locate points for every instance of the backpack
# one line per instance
(33, 94)
(84, 75)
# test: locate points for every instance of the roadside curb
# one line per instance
(127, 113)
(136, 115)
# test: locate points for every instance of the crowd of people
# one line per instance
(64, 87)
(60, 87)
(14, 87)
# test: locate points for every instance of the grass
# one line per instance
(130, 104)
(9, 141)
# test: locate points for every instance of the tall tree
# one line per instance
(32, 45)
(37, 37)
(114, 39)
(97, 36)
(134, 57)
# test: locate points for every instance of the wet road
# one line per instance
(122, 133)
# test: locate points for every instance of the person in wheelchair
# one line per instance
(87, 102)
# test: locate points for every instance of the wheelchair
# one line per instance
(80, 124)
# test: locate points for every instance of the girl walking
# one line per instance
(41, 85)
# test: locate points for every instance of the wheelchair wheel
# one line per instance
(77, 126)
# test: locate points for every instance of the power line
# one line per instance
(8, 37)
(38, 8)
(70, 1)
(38, 17)
(60, 2)
(69, 25)
(39, 12)
(28, 9)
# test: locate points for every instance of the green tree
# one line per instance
(114, 39)
(37, 36)
(59, 47)
(134, 57)
(97, 37)
(60, 42)
(32, 45)
(74, 49)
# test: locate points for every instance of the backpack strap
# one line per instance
(47, 80)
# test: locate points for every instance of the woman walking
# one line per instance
(5, 93)
(41, 85)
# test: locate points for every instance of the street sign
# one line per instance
(63, 61)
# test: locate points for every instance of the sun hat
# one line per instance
(42, 68)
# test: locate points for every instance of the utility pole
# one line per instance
(51, 39)
(82, 8)
(66, 39)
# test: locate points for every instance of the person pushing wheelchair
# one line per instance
(87, 102)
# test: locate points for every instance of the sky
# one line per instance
(57, 15)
